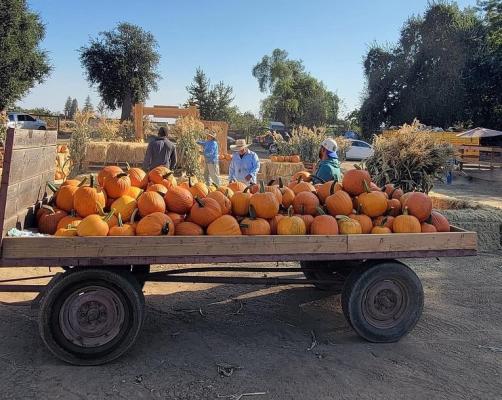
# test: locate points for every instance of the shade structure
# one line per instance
(480, 133)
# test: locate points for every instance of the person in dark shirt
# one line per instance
(160, 151)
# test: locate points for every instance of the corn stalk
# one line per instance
(187, 131)
(78, 142)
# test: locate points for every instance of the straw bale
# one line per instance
(95, 152)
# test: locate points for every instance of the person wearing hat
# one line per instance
(328, 168)
(245, 163)
(211, 151)
(160, 151)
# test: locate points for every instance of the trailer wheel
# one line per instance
(334, 271)
(91, 316)
(383, 301)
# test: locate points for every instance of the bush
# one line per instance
(409, 158)
(187, 131)
(107, 129)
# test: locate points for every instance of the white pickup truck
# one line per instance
(25, 121)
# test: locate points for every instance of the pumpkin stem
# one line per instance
(290, 211)
(270, 183)
(215, 185)
(357, 166)
(128, 167)
(160, 193)
(248, 188)
(320, 211)
(366, 186)
(299, 179)
(82, 182)
(384, 221)
(165, 229)
(262, 187)
(332, 188)
(133, 215)
(199, 201)
(342, 218)
(281, 183)
(100, 209)
(405, 211)
(108, 216)
(244, 225)
(121, 175)
(319, 179)
(190, 181)
(91, 181)
(119, 218)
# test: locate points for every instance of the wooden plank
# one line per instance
(411, 242)
(27, 163)
(25, 138)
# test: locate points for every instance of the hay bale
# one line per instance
(274, 170)
(120, 152)
(95, 152)
(442, 202)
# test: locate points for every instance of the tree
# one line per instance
(212, 101)
(122, 63)
(88, 105)
(444, 70)
(67, 108)
(101, 108)
(22, 62)
(73, 109)
(295, 97)
(245, 123)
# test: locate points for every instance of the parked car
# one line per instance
(359, 150)
(25, 121)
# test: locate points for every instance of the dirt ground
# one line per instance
(455, 351)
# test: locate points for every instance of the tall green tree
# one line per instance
(295, 97)
(122, 64)
(22, 62)
(73, 108)
(88, 107)
(67, 107)
(213, 101)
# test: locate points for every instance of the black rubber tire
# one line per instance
(390, 286)
(337, 271)
(124, 290)
(42, 128)
(140, 272)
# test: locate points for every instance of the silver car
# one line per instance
(25, 121)
(359, 150)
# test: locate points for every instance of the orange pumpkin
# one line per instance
(117, 185)
(291, 225)
(406, 223)
(197, 189)
(135, 192)
(225, 190)
(365, 222)
(273, 223)
(303, 187)
(253, 226)
(188, 229)
(178, 200)
(428, 228)
(223, 201)
(155, 224)
(162, 175)
(122, 229)
(302, 176)
(176, 218)
(265, 203)
(70, 219)
(138, 177)
(94, 225)
(237, 186)
(295, 159)
(88, 199)
(228, 157)
(151, 202)
(280, 158)
(307, 219)
(387, 221)
(324, 224)
(273, 158)
(348, 226)
(48, 221)
(372, 203)
(240, 202)
(325, 190)
(393, 207)
(64, 196)
(380, 230)
(339, 203)
(353, 181)
(109, 170)
(124, 205)
(306, 203)
(225, 225)
(440, 222)
(69, 231)
(205, 211)
(157, 187)
(419, 205)
(287, 194)
(74, 182)
(275, 190)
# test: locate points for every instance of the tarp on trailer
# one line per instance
(480, 133)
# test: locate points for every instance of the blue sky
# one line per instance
(224, 37)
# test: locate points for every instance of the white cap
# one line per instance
(330, 144)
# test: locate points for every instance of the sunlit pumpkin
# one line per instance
(188, 229)
(353, 181)
(406, 223)
(253, 226)
(440, 222)
(306, 203)
(122, 229)
(348, 226)
(88, 199)
(372, 203)
(117, 185)
(109, 170)
(155, 224)
(124, 205)
(240, 202)
(205, 211)
(48, 221)
(265, 203)
(419, 205)
(225, 225)
(94, 225)
(138, 177)
(339, 203)
(291, 225)
(223, 201)
(178, 200)
(324, 224)
(150, 202)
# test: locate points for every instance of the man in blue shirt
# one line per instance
(212, 169)
(245, 163)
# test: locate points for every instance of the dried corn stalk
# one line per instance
(409, 158)
(187, 131)
(78, 142)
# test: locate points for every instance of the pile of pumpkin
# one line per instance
(132, 202)
(226, 156)
(288, 159)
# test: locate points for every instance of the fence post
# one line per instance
(138, 121)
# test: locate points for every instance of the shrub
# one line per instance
(409, 158)
(107, 129)
(187, 131)
(126, 131)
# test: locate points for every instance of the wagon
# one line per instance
(93, 311)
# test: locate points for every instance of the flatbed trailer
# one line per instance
(93, 312)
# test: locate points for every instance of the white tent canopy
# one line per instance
(480, 133)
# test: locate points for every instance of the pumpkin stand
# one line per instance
(382, 298)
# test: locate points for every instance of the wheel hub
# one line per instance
(91, 316)
(384, 303)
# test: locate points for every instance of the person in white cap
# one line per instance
(328, 168)
(245, 163)
(212, 168)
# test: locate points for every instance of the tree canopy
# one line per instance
(442, 71)
(213, 101)
(22, 62)
(122, 63)
(295, 96)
